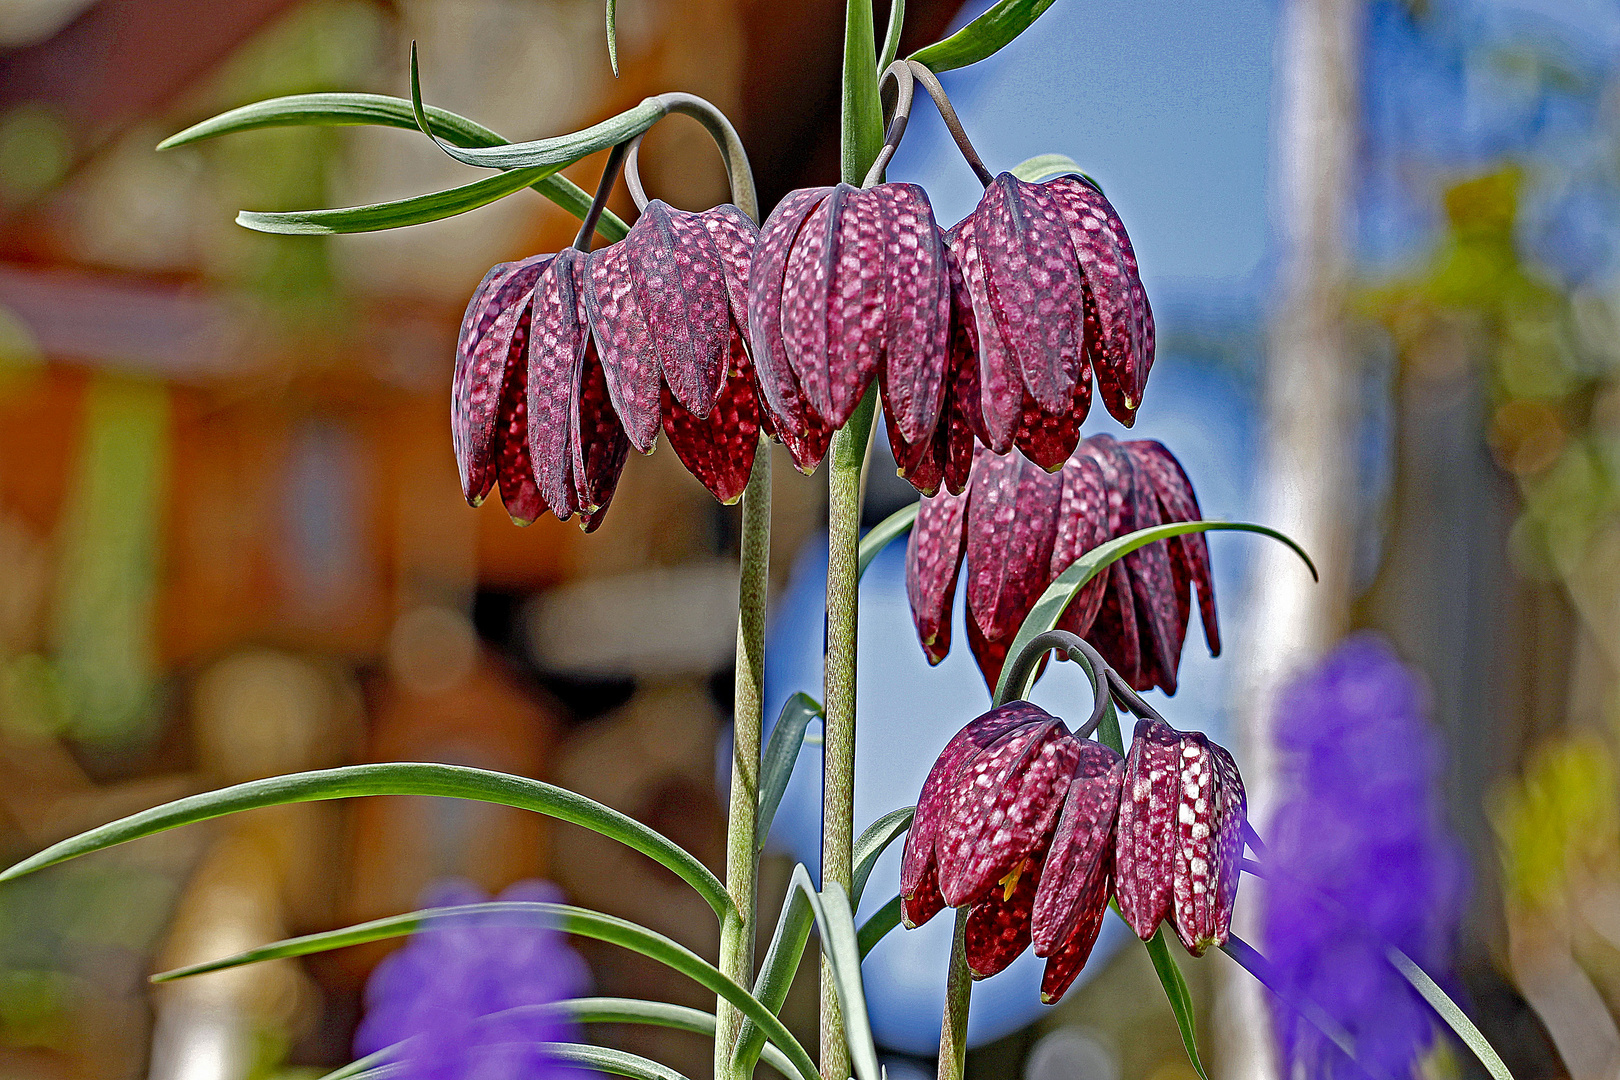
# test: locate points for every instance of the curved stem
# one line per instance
(1096, 669)
(905, 85)
(632, 174)
(958, 993)
(725, 136)
(1133, 701)
(742, 848)
(952, 124)
(610, 173)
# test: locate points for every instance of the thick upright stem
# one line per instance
(958, 990)
(861, 137)
(845, 467)
(742, 848)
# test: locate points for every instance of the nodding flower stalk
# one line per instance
(737, 930)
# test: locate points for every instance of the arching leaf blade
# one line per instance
(840, 946)
(983, 37)
(1175, 989)
(392, 778)
(563, 917)
(873, 842)
(1450, 1012)
(1058, 595)
(416, 210)
(613, 36)
(608, 1060)
(326, 110)
(1250, 960)
(891, 36)
(780, 756)
(876, 928)
(882, 535)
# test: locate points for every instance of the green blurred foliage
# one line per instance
(1559, 824)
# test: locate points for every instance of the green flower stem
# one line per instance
(845, 475)
(742, 848)
(861, 137)
(958, 989)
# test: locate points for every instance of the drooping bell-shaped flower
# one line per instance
(984, 821)
(1074, 887)
(1018, 527)
(848, 285)
(529, 402)
(669, 313)
(1015, 822)
(1179, 841)
(1056, 297)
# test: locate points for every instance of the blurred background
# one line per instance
(1380, 238)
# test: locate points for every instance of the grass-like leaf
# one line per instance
(984, 36)
(891, 36)
(613, 35)
(1055, 600)
(326, 110)
(792, 932)
(882, 534)
(558, 150)
(563, 917)
(1042, 166)
(585, 1010)
(876, 928)
(781, 754)
(608, 1060)
(434, 206)
(1175, 988)
(1450, 1012)
(840, 946)
(861, 116)
(393, 778)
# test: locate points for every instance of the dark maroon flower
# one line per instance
(1019, 527)
(525, 354)
(1179, 839)
(1014, 822)
(848, 285)
(669, 313)
(1055, 294)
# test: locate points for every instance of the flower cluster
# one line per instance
(1359, 858)
(715, 331)
(1032, 829)
(1018, 527)
(466, 999)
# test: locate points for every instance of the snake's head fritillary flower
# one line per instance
(984, 821)
(1057, 296)
(848, 285)
(1074, 887)
(1179, 841)
(669, 314)
(1017, 527)
(529, 401)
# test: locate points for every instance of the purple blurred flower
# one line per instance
(1364, 827)
(440, 990)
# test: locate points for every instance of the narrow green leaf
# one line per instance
(563, 917)
(882, 534)
(1175, 988)
(781, 754)
(1055, 600)
(613, 36)
(793, 923)
(1450, 1012)
(380, 110)
(891, 36)
(361, 1066)
(872, 843)
(434, 206)
(861, 111)
(393, 778)
(982, 37)
(608, 1060)
(1041, 166)
(586, 1010)
(1250, 960)
(840, 946)
(559, 150)
(877, 928)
